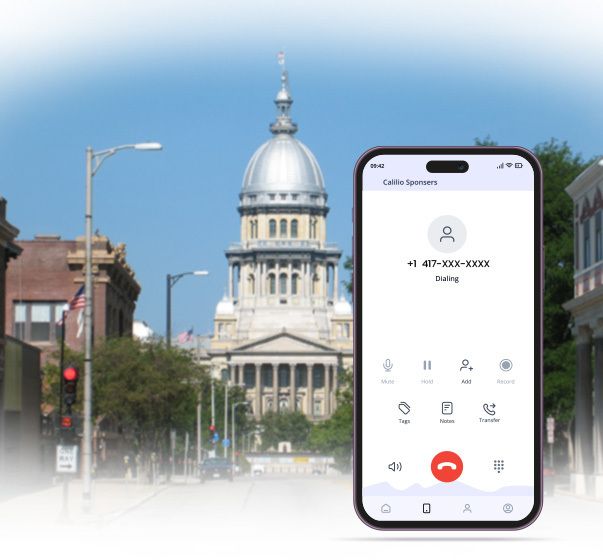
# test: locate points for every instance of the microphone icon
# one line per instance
(388, 365)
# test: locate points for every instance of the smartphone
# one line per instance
(447, 294)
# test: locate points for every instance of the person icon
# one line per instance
(447, 230)
(465, 365)
(467, 508)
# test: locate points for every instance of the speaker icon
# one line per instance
(395, 466)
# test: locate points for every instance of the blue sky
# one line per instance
(210, 106)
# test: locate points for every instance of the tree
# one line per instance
(146, 389)
(348, 265)
(292, 426)
(334, 435)
(560, 167)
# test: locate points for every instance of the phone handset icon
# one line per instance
(446, 466)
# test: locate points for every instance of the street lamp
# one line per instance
(93, 162)
(171, 281)
(234, 408)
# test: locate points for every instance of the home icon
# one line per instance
(386, 508)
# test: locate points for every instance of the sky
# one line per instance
(200, 77)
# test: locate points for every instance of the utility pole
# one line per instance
(199, 430)
(225, 437)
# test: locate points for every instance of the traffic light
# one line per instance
(70, 377)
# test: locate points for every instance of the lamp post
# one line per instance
(93, 162)
(234, 408)
(171, 280)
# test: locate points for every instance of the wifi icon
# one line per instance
(508, 164)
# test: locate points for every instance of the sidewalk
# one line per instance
(110, 499)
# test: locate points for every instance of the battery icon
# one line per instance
(519, 165)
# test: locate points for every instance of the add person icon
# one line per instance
(447, 230)
(465, 365)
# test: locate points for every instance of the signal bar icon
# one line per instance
(501, 166)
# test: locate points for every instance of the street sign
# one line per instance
(225, 442)
(216, 437)
(66, 459)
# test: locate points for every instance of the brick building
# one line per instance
(47, 275)
(20, 392)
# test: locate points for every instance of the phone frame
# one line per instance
(538, 330)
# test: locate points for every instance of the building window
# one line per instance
(313, 228)
(282, 284)
(272, 228)
(271, 284)
(284, 379)
(251, 280)
(283, 197)
(294, 283)
(294, 229)
(36, 321)
(318, 376)
(249, 376)
(586, 232)
(598, 237)
(283, 228)
(346, 330)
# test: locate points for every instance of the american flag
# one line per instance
(79, 300)
(185, 336)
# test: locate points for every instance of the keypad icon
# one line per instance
(499, 465)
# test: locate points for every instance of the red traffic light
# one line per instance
(66, 422)
(212, 428)
(70, 374)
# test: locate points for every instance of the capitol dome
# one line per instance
(283, 164)
(283, 171)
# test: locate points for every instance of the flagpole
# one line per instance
(62, 362)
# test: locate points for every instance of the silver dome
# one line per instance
(283, 171)
(283, 165)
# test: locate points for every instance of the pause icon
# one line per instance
(426, 364)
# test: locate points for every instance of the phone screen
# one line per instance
(448, 309)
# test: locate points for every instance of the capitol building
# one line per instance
(283, 329)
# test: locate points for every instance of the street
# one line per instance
(267, 518)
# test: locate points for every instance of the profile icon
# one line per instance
(447, 234)
(447, 230)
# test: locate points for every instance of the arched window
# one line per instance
(282, 284)
(251, 284)
(294, 229)
(271, 284)
(313, 228)
(272, 228)
(283, 228)
(294, 282)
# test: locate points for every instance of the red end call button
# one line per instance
(446, 466)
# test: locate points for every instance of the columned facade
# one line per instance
(587, 313)
(286, 385)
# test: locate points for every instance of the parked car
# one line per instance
(215, 467)
(257, 470)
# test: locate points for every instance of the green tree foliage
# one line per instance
(334, 436)
(292, 426)
(348, 265)
(144, 389)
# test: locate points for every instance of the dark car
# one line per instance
(215, 467)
